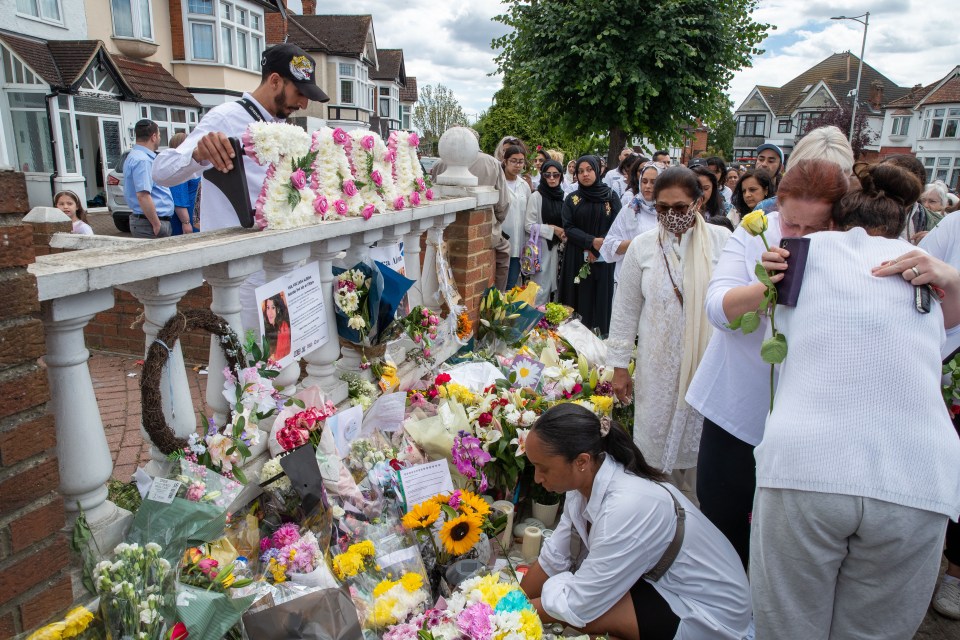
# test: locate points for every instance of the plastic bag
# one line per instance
(291, 612)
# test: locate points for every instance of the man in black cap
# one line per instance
(287, 83)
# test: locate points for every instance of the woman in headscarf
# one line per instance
(544, 217)
(588, 213)
(659, 306)
(639, 215)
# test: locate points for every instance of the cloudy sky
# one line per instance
(909, 41)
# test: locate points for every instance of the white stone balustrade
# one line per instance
(277, 264)
(322, 362)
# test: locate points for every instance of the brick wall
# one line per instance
(35, 583)
(176, 30)
(470, 254)
(276, 26)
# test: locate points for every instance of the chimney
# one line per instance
(849, 55)
(876, 94)
(276, 24)
(309, 7)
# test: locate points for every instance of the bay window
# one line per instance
(132, 19)
(31, 131)
(225, 32)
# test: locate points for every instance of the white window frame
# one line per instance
(137, 23)
(40, 17)
(255, 36)
(784, 125)
(900, 126)
(168, 126)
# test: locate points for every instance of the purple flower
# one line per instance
(368, 211)
(468, 453)
(349, 189)
(377, 178)
(474, 621)
(454, 500)
(367, 142)
(341, 207)
(286, 534)
(298, 179)
(340, 136)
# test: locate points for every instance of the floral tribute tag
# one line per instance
(525, 373)
(163, 490)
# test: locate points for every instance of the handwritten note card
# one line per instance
(423, 481)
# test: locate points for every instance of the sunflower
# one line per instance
(474, 503)
(460, 534)
(422, 516)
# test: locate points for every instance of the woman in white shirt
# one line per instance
(659, 305)
(514, 162)
(544, 218)
(631, 558)
(637, 214)
(857, 472)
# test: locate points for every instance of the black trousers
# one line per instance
(726, 482)
(952, 549)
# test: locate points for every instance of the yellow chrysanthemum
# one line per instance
(602, 404)
(530, 626)
(459, 535)
(491, 590)
(474, 503)
(347, 564)
(412, 582)
(383, 587)
(77, 620)
(383, 612)
(279, 571)
(50, 632)
(364, 548)
(422, 516)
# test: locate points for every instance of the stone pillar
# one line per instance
(411, 258)
(350, 359)
(321, 363)
(159, 297)
(276, 265)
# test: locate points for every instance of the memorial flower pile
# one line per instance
(351, 289)
(421, 326)
(305, 426)
(133, 590)
(461, 517)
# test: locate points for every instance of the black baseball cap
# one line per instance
(293, 63)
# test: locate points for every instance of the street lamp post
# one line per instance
(866, 23)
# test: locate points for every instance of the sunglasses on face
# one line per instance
(551, 174)
(666, 209)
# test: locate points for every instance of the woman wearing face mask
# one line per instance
(544, 218)
(637, 216)
(514, 162)
(588, 213)
(659, 305)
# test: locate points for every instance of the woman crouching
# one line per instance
(631, 557)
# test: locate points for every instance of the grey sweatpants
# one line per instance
(838, 567)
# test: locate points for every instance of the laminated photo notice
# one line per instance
(423, 481)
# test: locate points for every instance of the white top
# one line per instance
(569, 187)
(513, 224)
(174, 166)
(646, 309)
(728, 387)
(631, 522)
(628, 225)
(535, 181)
(726, 193)
(615, 180)
(858, 409)
(82, 228)
(943, 242)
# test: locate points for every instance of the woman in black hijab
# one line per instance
(587, 216)
(544, 218)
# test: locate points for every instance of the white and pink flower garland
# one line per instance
(407, 173)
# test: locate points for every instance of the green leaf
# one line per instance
(749, 322)
(449, 511)
(762, 274)
(774, 349)
(735, 323)
(239, 475)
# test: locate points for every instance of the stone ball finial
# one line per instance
(458, 149)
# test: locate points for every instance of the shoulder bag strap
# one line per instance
(251, 108)
(673, 549)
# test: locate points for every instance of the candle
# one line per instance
(505, 507)
(531, 543)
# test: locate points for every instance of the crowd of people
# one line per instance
(823, 515)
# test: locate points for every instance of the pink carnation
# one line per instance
(340, 136)
(367, 142)
(414, 140)
(429, 194)
(298, 179)
(320, 205)
(421, 185)
(368, 211)
(377, 178)
(248, 147)
(291, 437)
(349, 189)
(414, 198)
(286, 534)
(474, 621)
(341, 207)
(398, 204)
(391, 156)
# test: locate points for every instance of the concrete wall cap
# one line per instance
(40, 215)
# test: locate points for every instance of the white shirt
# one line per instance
(82, 228)
(858, 409)
(726, 193)
(174, 166)
(569, 187)
(628, 225)
(615, 180)
(631, 522)
(513, 224)
(943, 242)
(646, 310)
(729, 383)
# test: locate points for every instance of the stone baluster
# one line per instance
(277, 264)
(411, 259)
(350, 358)
(84, 456)
(225, 280)
(159, 297)
(321, 362)
(429, 283)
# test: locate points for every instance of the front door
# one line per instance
(111, 146)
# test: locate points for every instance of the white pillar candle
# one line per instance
(505, 507)
(532, 537)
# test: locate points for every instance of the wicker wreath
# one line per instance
(154, 422)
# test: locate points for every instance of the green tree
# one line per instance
(722, 131)
(840, 116)
(437, 110)
(647, 67)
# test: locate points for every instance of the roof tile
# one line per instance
(340, 35)
(408, 93)
(949, 92)
(390, 64)
(152, 83)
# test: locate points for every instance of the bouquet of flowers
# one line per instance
(507, 318)
(450, 524)
(351, 294)
(305, 426)
(135, 591)
(200, 567)
(395, 601)
(288, 552)
(421, 325)
(79, 623)
(361, 392)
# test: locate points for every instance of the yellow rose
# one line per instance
(754, 222)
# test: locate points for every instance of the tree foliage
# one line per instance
(437, 110)
(722, 132)
(839, 116)
(647, 67)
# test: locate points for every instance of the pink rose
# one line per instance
(367, 142)
(414, 198)
(429, 194)
(391, 156)
(320, 205)
(349, 189)
(292, 437)
(341, 207)
(398, 204)
(426, 353)
(421, 185)
(414, 140)
(340, 136)
(377, 178)
(298, 179)
(368, 211)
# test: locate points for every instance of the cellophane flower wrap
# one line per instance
(136, 590)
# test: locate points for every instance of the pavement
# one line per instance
(116, 382)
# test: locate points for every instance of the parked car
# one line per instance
(427, 163)
(116, 203)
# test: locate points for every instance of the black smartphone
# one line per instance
(788, 289)
(233, 184)
(921, 298)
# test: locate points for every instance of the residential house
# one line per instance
(926, 123)
(408, 100)
(777, 115)
(390, 78)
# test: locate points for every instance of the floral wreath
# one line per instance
(154, 422)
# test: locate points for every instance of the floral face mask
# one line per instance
(676, 219)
